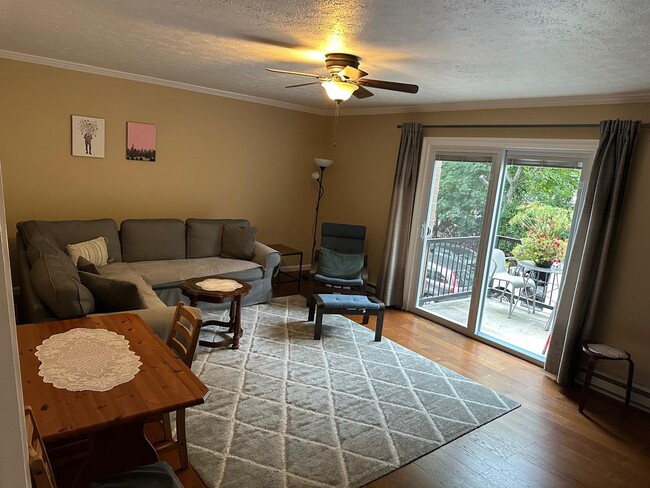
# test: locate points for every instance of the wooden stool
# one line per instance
(346, 305)
(597, 351)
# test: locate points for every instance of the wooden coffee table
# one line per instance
(196, 294)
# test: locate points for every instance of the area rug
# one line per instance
(288, 411)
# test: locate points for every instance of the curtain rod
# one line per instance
(516, 126)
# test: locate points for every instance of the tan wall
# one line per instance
(219, 157)
(216, 157)
(359, 185)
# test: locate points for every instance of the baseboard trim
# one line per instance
(614, 387)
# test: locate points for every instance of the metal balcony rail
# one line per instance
(451, 263)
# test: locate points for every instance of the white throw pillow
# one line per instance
(94, 251)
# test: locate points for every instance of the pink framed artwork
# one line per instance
(140, 141)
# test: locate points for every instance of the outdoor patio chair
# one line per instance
(513, 284)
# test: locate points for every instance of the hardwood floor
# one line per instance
(544, 443)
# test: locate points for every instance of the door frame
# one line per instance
(585, 148)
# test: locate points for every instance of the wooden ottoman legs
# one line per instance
(317, 309)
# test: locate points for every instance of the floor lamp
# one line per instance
(322, 164)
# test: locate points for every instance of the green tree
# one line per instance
(462, 193)
(540, 193)
(461, 199)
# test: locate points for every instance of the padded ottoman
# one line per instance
(323, 304)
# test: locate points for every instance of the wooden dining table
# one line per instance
(113, 421)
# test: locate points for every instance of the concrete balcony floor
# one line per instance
(524, 329)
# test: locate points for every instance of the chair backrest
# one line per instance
(498, 262)
(343, 238)
(39, 464)
(184, 334)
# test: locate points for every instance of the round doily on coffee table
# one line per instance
(87, 359)
(216, 284)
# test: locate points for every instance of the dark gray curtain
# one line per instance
(390, 286)
(592, 251)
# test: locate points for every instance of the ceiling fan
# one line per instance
(346, 79)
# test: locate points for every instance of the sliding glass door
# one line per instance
(451, 232)
(494, 220)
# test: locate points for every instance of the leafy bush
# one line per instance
(540, 219)
(540, 248)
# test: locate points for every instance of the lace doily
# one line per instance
(87, 359)
(215, 284)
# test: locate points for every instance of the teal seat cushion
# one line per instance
(335, 264)
(348, 301)
(338, 281)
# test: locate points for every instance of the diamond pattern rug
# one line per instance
(288, 411)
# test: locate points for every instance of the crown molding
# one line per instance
(606, 99)
(85, 68)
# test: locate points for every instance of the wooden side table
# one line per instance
(197, 294)
(288, 251)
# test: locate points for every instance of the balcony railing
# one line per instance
(451, 264)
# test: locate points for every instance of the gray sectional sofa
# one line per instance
(157, 255)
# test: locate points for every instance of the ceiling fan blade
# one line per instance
(303, 84)
(286, 72)
(361, 92)
(352, 73)
(390, 85)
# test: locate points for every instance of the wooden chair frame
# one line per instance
(183, 339)
(39, 463)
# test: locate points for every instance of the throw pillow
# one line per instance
(94, 251)
(238, 242)
(340, 265)
(112, 295)
(84, 265)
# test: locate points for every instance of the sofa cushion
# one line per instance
(125, 272)
(152, 239)
(94, 251)
(204, 236)
(174, 271)
(56, 282)
(72, 231)
(112, 295)
(238, 242)
(84, 265)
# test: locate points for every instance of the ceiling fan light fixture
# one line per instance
(339, 90)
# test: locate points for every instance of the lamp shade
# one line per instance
(339, 90)
(323, 163)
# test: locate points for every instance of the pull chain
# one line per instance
(336, 118)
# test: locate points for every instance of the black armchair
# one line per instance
(340, 266)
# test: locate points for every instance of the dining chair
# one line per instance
(156, 475)
(39, 464)
(513, 283)
(183, 338)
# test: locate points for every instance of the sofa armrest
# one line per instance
(30, 308)
(268, 258)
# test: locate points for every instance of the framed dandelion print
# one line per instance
(140, 141)
(87, 136)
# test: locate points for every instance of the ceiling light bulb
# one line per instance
(339, 90)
